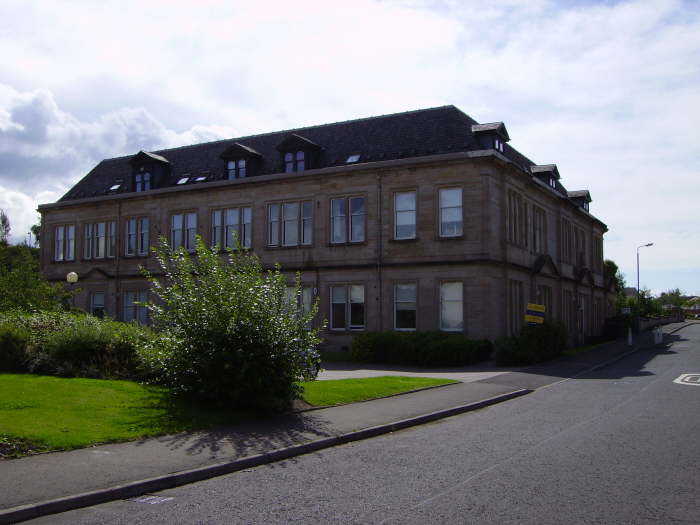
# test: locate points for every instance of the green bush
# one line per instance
(227, 331)
(77, 344)
(533, 345)
(429, 349)
(13, 347)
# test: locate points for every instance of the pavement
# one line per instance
(60, 481)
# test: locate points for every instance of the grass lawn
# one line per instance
(41, 413)
(59, 413)
(337, 391)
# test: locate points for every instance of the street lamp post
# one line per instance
(638, 247)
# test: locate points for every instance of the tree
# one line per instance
(611, 271)
(36, 232)
(4, 228)
(228, 331)
(673, 297)
(21, 284)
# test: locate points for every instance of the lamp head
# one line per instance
(72, 277)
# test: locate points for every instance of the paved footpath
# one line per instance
(59, 481)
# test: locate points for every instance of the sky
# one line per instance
(609, 91)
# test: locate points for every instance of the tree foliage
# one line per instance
(4, 228)
(228, 331)
(21, 284)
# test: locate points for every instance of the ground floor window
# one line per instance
(97, 304)
(133, 311)
(348, 307)
(544, 297)
(451, 306)
(304, 300)
(516, 307)
(405, 306)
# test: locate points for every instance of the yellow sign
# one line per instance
(534, 313)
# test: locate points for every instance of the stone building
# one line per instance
(420, 220)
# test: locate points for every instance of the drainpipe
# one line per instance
(380, 286)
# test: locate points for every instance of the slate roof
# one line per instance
(579, 194)
(418, 133)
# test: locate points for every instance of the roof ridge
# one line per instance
(292, 130)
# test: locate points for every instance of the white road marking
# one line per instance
(688, 379)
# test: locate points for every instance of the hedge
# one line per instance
(428, 349)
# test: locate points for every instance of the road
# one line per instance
(618, 445)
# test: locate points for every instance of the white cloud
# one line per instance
(607, 90)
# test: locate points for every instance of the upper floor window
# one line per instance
(348, 307)
(99, 240)
(237, 169)
(567, 241)
(405, 215)
(517, 219)
(290, 223)
(64, 242)
(598, 253)
(232, 228)
(183, 230)
(137, 236)
(294, 161)
(450, 212)
(498, 144)
(142, 181)
(539, 230)
(347, 219)
(580, 245)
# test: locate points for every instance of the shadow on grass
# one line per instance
(199, 428)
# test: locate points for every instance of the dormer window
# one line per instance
(498, 144)
(553, 183)
(240, 161)
(183, 180)
(142, 181)
(298, 153)
(236, 169)
(353, 158)
(294, 161)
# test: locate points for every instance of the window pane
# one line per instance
(338, 315)
(338, 224)
(247, 225)
(357, 294)
(405, 224)
(87, 241)
(232, 227)
(144, 235)
(406, 318)
(70, 242)
(450, 197)
(338, 294)
(357, 315)
(290, 234)
(306, 299)
(451, 221)
(406, 292)
(451, 306)
(273, 224)
(357, 219)
(405, 201)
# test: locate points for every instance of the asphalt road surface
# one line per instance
(619, 445)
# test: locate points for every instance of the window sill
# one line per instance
(450, 237)
(412, 239)
(349, 243)
(291, 247)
